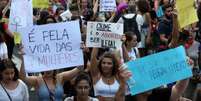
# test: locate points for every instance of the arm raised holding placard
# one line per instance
(62, 77)
(94, 67)
(52, 81)
(175, 34)
(180, 87)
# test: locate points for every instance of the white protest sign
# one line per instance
(108, 5)
(102, 34)
(66, 15)
(21, 14)
(52, 46)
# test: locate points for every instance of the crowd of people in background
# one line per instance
(150, 26)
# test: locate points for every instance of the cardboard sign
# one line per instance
(102, 34)
(21, 15)
(52, 46)
(184, 8)
(158, 69)
(40, 3)
(108, 5)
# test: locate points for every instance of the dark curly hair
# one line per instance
(5, 64)
(84, 76)
(164, 7)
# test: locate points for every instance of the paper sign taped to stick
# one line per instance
(52, 46)
(108, 5)
(158, 69)
(21, 15)
(184, 8)
(102, 34)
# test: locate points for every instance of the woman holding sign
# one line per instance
(108, 80)
(49, 86)
(175, 92)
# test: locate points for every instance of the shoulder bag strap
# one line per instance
(6, 92)
(50, 93)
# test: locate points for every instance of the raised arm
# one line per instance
(6, 8)
(148, 19)
(69, 75)
(123, 76)
(120, 95)
(94, 63)
(125, 53)
(179, 88)
(79, 7)
(95, 8)
(175, 33)
(30, 80)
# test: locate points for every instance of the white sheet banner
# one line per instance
(108, 5)
(103, 34)
(21, 14)
(52, 46)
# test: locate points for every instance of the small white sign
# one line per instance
(102, 34)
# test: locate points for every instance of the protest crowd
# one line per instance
(84, 48)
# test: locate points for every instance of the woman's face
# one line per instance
(8, 74)
(133, 42)
(107, 65)
(168, 12)
(3, 3)
(83, 88)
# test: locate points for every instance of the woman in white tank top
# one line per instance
(108, 79)
(129, 48)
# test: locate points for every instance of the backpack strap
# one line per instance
(135, 16)
(124, 18)
(134, 49)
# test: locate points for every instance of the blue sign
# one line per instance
(158, 69)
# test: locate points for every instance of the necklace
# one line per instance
(108, 79)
